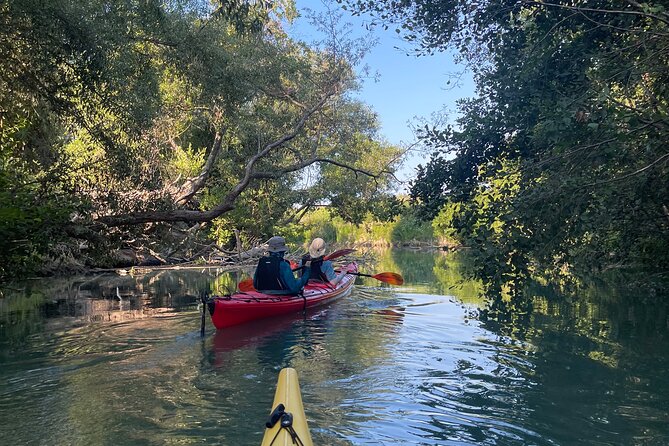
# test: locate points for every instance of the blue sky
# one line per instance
(408, 86)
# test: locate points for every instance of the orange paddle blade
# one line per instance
(246, 285)
(391, 278)
(337, 254)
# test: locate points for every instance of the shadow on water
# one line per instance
(58, 303)
(597, 352)
(386, 365)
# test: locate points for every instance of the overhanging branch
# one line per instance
(227, 203)
(600, 11)
(193, 185)
(631, 174)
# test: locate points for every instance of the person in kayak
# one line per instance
(273, 274)
(321, 270)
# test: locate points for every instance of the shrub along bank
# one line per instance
(402, 230)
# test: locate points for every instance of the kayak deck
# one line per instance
(287, 425)
(241, 307)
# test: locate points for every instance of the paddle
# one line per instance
(391, 278)
(203, 299)
(247, 284)
(339, 253)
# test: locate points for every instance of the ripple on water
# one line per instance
(379, 367)
(441, 379)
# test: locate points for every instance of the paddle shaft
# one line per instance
(204, 310)
(247, 284)
(362, 274)
(357, 274)
(387, 277)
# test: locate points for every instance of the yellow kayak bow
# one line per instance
(287, 424)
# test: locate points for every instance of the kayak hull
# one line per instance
(227, 311)
(288, 394)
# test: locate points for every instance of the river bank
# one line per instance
(126, 261)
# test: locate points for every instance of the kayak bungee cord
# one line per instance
(286, 423)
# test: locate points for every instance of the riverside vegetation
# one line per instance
(163, 127)
(170, 129)
(559, 166)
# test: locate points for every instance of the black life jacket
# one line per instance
(267, 276)
(316, 271)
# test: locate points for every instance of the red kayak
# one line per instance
(241, 307)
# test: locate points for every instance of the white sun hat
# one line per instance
(317, 248)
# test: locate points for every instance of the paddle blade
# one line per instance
(391, 278)
(337, 254)
(246, 285)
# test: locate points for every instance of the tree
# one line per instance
(576, 95)
(144, 113)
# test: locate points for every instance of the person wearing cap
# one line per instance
(321, 270)
(273, 274)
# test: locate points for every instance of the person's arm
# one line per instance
(300, 268)
(330, 273)
(294, 285)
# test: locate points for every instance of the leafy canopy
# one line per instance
(574, 97)
(124, 116)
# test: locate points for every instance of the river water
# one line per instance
(118, 360)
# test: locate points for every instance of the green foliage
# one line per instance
(448, 221)
(32, 219)
(353, 193)
(186, 162)
(317, 224)
(560, 163)
(403, 229)
(138, 110)
(408, 228)
(429, 186)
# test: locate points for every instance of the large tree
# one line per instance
(123, 114)
(562, 157)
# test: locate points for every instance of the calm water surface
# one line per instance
(83, 364)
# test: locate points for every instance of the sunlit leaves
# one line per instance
(115, 108)
(574, 94)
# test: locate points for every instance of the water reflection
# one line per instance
(57, 303)
(410, 365)
(435, 272)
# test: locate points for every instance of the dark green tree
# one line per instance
(561, 160)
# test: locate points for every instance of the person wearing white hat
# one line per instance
(321, 270)
(273, 274)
